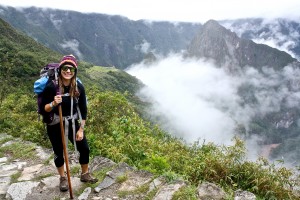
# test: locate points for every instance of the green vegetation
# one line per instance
(75, 169)
(14, 177)
(112, 79)
(19, 150)
(187, 192)
(140, 190)
(122, 178)
(44, 176)
(116, 130)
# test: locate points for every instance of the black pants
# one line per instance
(54, 134)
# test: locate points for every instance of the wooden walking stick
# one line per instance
(65, 149)
(63, 134)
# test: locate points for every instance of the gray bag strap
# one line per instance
(73, 125)
(72, 117)
(77, 106)
(79, 113)
(66, 119)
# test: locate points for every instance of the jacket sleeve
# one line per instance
(82, 101)
(47, 95)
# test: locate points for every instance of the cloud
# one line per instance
(197, 100)
(143, 47)
(73, 46)
(56, 22)
(191, 96)
(187, 10)
(276, 33)
(277, 38)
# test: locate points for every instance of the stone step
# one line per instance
(38, 180)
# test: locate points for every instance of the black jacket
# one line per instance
(50, 91)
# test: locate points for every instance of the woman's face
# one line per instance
(67, 71)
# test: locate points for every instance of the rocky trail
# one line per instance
(35, 178)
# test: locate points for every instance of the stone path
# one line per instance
(35, 178)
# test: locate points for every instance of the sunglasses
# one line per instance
(66, 68)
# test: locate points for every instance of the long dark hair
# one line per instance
(74, 92)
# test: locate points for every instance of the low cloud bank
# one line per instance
(200, 101)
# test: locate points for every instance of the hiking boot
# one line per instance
(87, 177)
(63, 184)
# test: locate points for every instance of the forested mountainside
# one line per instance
(100, 39)
(22, 58)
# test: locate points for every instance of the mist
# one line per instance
(273, 35)
(199, 101)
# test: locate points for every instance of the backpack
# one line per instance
(50, 73)
(47, 73)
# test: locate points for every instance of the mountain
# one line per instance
(97, 38)
(223, 46)
(279, 33)
(267, 86)
(21, 59)
(117, 41)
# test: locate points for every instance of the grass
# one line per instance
(43, 176)
(122, 178)
(97, 174)
(151, 194)
(14, 177)
(98, 71)
(140, 190)
(101, 174)
(116, 132)
(171, 176)
(75, 169)
(186, 193)
(5, 139)
(19, 150)
(47, 161)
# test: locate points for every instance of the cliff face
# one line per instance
(280, 33)
(215, 42)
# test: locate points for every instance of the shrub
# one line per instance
(116, 131)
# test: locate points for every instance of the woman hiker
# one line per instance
(72, 93)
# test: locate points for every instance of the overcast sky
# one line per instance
(175, 10)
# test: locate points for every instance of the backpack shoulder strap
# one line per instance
(79, 113)
(78, 109)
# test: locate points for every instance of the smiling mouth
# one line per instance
(68, 74)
